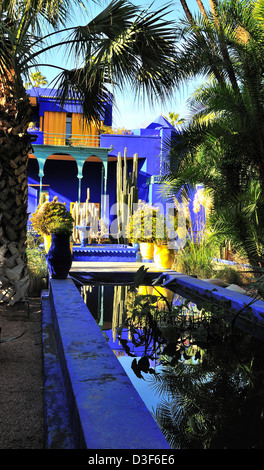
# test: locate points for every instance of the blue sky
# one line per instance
(131, 113)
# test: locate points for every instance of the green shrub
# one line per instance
(52, 217)
(37, 268)
(229, 275)
(196, 259)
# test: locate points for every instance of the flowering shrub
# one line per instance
(52, 217)
(118, 130)
(202, 199)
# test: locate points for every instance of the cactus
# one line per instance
(126, 193)
(84, 214)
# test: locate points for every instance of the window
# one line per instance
(68, 128)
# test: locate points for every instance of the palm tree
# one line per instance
(174, 119)
(36, 79)
(212, 151)
(122, 45)
(224, 145)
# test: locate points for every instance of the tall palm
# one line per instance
(212, 151)
(224, 145)
(37, 79)
(122, 45)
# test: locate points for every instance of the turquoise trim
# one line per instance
(80, 154)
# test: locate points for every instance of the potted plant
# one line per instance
(164, 246)
(141, 229)
(53, 220)
(153, 231)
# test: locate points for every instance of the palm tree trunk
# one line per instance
(223, 47)
(15, 144)
(201, 7)
(218, 75)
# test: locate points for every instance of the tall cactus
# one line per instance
(126, 193)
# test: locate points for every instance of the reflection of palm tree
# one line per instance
(119, 308)
(216, 404)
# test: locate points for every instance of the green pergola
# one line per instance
(80, 154)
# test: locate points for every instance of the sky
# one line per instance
(128, 112)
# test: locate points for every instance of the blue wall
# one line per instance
(60, 179)
(32, 200)
(147, 147)
(61, 176)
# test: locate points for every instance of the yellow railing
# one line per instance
(74, 140)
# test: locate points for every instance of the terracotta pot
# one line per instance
(163, 256)
(146, 250)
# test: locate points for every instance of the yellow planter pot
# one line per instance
(146, 250)
(145, 290)
(159, 293)
(47, 242)
(163, 256)
(162, 291)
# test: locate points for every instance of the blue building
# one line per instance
(68, 156)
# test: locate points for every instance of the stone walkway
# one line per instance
(21, 382)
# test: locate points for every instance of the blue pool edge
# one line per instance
(89, 401)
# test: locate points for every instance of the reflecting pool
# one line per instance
(200, 376)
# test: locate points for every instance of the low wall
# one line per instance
(247, 312)
(105, 410)
(104, 252)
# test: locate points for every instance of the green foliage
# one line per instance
(52, 217)
(174, 119)
(230, 275)
(37, 267)
(123, 44)
(37, 79)
(148, 224)
(222, 147)
(196, 258)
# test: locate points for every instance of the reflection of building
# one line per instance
(69, 156)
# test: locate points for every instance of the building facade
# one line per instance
(70, 158)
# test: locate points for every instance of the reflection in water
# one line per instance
(202, 379)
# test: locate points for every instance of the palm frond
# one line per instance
(131, 46)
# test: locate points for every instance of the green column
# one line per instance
(79, 176)
(104, 188)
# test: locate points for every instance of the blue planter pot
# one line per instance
(59, 257)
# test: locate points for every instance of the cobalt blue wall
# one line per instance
(61, 176)
(46, 101)
(60, 179)
(32, 200)
(147, 147)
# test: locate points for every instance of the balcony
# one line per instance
(65, 140)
